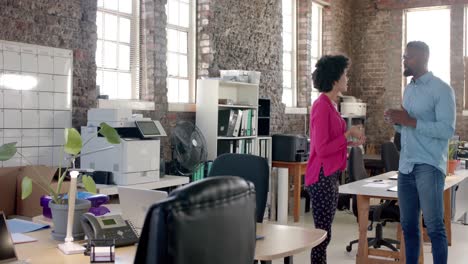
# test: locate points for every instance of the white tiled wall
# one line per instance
(35, 101)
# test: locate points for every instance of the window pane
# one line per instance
(172, 40)
(287, 7)
(100, 3)
(184, 15)
(110, 55)
(125, 6)
(111, 4)
(183, 69)
(432, 27)
(314, 61)
(173, 12)
(124, 33)
(124, 57)
(172, 64)
(183, 42)
(110, 26)
(99, 25)
(99, 82)
(110, 84)
(287, 97)
(315, 48)
(287, 79)
(287, 61)
(287, 24)
(183, 91)
(99, 53)
(287, 42)
(125, 86)
(172, 90)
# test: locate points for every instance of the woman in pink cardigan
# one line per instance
(328, 146)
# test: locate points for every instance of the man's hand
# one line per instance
(400, 117)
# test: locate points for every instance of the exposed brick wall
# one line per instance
(377, 67)
(67, 24)
(232, 36)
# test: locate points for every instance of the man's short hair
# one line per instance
(419, 45)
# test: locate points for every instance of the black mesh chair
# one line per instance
(386, 211)
(390, 156)
(211, 221)
(250, 167)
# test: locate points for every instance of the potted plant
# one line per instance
(452, 161)
(59, 203)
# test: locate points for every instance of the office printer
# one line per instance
(292, 148)
(136, 159)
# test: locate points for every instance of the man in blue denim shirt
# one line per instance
(426, 123)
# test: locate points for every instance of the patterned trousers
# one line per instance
(324, 198)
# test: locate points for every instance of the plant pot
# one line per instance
(452, 165)
(60, 218)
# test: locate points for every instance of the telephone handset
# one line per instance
(109, 227)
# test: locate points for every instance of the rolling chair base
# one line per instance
(377, 241)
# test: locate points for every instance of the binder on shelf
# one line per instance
(238, 123)
(227, 119)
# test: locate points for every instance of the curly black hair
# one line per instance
(329, 70)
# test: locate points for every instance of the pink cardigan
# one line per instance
(327, 141)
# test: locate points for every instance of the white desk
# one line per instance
(365, 193)
(280, 241)
(166, 181)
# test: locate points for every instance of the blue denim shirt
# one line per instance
(431, 102)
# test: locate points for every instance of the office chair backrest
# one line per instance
(356, 168)
(390, 156)
(210, 221)
(397, 140)
(250, 167)
(357, 171)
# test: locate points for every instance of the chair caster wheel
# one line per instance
(348, 248)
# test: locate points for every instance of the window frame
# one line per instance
(191, 60)
(134, 47)
(315, 91)
(293, 57)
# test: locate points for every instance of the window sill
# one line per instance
(465, 113)
(182, 107)
(295, 110)
(126, 104)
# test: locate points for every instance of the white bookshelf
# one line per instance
(243, 96)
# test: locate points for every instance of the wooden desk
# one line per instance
(166, 181)
(295, 170)
(363, 197)
(280, 241)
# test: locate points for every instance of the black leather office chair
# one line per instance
(210, 221)
(397, 140)
(390, 156)
(250, 167)
(387, 210)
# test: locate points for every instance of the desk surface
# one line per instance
(358, 188)
(280, 241)
(166, 181)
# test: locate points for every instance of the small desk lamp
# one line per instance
(69, 247)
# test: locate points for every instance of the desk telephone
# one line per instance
(109, 227)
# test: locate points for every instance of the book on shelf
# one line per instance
(240, 146)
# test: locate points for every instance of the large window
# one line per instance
(433, 27)
(180, 51)
(118, 48)
(316, 49)
(289, 53)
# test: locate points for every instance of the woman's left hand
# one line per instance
(359, 142)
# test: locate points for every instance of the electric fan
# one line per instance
(188, 148)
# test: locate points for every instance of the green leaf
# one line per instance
(109, 133)
(7, 151)
(73, 141)
(26, 187)
(89, 184)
